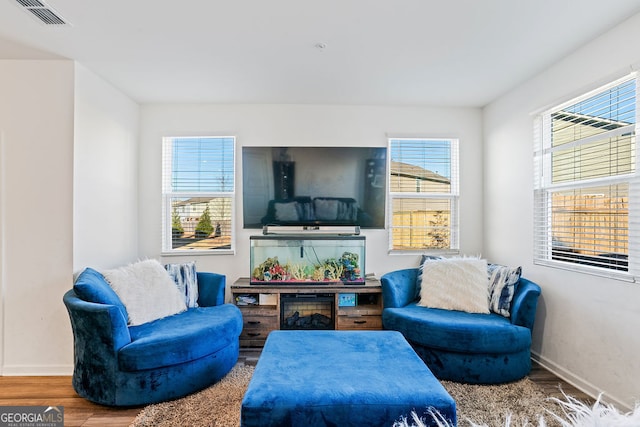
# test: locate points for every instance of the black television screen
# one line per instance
(314, 186)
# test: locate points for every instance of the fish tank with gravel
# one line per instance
(313, 260)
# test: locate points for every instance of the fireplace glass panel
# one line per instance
(307, 311)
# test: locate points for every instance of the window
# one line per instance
(586, 182)
(198, 194)
(423, 194)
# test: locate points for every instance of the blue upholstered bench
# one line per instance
(342, 378)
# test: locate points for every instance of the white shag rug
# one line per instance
(519, 404)
(572, 413)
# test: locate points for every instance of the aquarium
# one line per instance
(290, 259)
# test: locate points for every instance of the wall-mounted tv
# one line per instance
(314, 186)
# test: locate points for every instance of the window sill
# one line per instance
(449, 252)
(593, 271)
(198, 253)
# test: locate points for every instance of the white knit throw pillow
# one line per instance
(146, 290)
(455, 284)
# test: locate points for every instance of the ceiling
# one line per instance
(371, 52)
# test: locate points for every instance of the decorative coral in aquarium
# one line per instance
(314, 260)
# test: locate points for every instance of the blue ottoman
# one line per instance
(340, 378)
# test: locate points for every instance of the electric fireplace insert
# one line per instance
(307, 311)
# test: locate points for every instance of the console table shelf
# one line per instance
(266, 313)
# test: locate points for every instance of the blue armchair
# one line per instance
(459, 346)
(120, 365)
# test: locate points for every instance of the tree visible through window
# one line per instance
(198, 192)
(586, 179)
(423, 194)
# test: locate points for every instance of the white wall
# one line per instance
(58, 215)
(36, 122)
(307, 125)
(586, 327)
(105, 225)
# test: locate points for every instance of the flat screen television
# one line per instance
(314, 186)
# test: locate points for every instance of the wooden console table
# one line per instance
(264, 316)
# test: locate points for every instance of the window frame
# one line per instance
(168, 195)
(453, 197)
(544, 189)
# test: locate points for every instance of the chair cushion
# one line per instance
(186, 279)
(91, 286)
(455, 284)
(335, 209)
(457, 330)
(502, 286)
(180, 338)
(423, 259)
(147, 291)
(286, 211)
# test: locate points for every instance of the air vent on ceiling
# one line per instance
(42, 11)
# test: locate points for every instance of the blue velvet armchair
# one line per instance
(459, 346)
(120, 365)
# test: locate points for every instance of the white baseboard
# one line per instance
(31, 370)
(580, 383)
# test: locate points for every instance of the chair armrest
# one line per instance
(399, 287)
(99, 329)
(211, 289)
(525, 301)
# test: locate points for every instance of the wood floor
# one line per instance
(57, 391)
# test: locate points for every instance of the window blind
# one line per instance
(423, 194)
(198, 188)
(192, 165)
(585, 172)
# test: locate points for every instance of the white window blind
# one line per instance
(423, 194)
(586, 200)
(198, 192)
